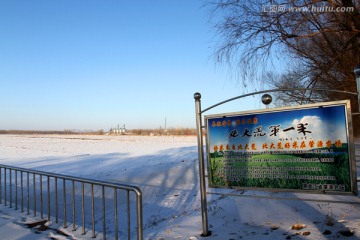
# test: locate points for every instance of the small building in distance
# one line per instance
(118, 130)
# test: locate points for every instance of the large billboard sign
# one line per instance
(303, 148)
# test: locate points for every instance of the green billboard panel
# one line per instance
(303, 148)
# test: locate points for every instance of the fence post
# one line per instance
(197, 97)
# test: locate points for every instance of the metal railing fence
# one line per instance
(24, 188)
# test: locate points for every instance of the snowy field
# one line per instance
(166, 170)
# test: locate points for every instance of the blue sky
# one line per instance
(91, 64)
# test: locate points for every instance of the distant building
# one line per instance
(118, 130)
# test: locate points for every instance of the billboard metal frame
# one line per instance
(344, 104)
(200, 126)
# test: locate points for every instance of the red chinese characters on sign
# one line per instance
(289, 145)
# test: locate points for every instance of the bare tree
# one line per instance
(319, 40)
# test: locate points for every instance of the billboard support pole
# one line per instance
(197, 97)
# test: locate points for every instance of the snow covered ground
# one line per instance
(166, 170)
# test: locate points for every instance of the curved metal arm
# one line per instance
(276, 90)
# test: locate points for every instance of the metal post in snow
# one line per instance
(197, 97)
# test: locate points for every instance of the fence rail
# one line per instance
(16, 188)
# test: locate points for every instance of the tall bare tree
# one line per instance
(319, 40)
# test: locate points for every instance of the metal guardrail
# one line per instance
(16, 181)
